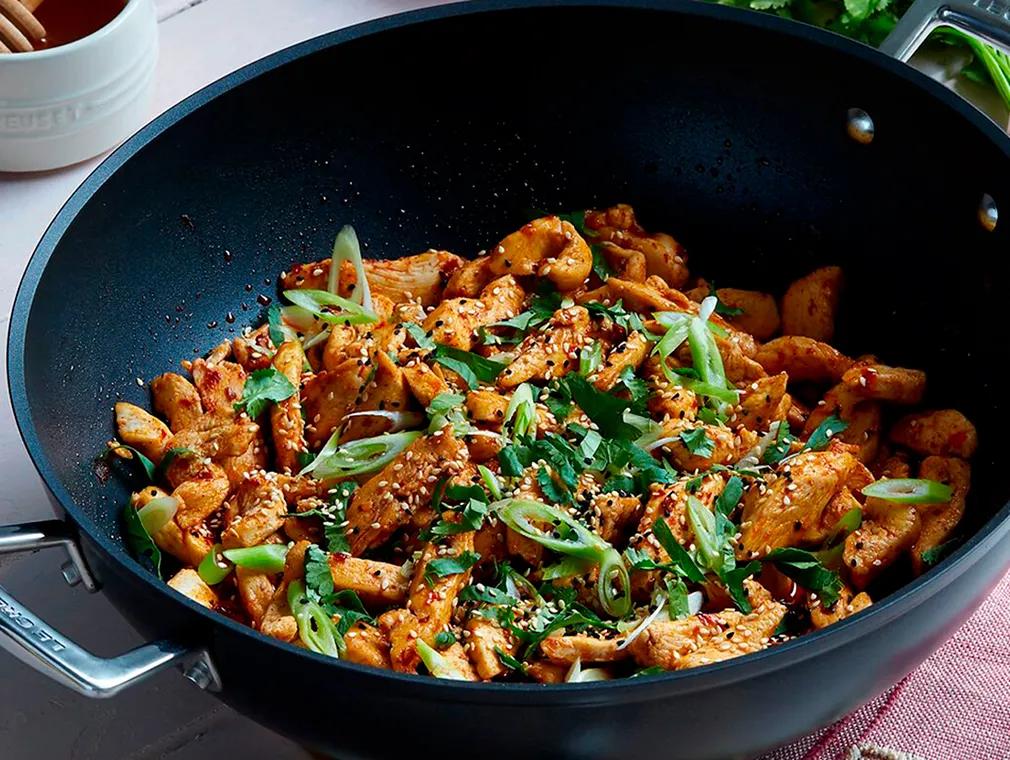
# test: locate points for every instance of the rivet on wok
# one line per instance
(199, 674)
(70, 573)
(860, 126)
(988, 214)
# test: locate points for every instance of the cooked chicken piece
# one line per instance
(846, 605)
(141, 430)
(760, 315)
(549, 353)
(386, 392)
(545, 672)
(176, 399)
(390, 497)
(751, 634)
(401, 628)
(458, 663)
(810, 304)
(862, 416)
(469, 280)
(790, 509)
(613, 514)
(764, 401)
(628, 353)
(489, 543)
(455, 322)
(418, 277)
(433, 602)
(626, 263)
(722, 441)
(888, 530)
(215, 438)
(565, 650)
(253, 458)
(220, 386)
(547, 247)
(261, 511)
(665, 642)
(377, 583)
(424, 382)
(664, 256)
(946, 432)
(328, 396)
(199, 499)
(939, 522)
(278, 621)
(188, 546)
(487, 407)
(367, 645)
(882, 383)
(189, 583)
(842, 502)
(803, 359)
(256, 592)
(483, 638)
(255, 350)
(670, 502)
(286, 421)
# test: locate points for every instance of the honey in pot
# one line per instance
(69, 20)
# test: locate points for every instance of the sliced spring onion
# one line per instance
(847, 523)
(590, 358)
(640, 628)
(267, 558)
(909, 491)
(318, 301)
(707, 308)
(400, 420)
(315, 340)
(570, 537)
(298, 318)
(523, 408)
(490, 481)
(214, 568)
(315, 627)
(359, 457)
(694, 602)
(569, 567)
(438, 664)
(578, 674)
(347, 248)
(157, 513)
(702, 521)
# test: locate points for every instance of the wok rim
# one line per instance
(706, 677)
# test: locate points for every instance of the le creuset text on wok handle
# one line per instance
(987, 20)
(37, 644)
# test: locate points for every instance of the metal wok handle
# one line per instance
(986, 20)
(39, 645)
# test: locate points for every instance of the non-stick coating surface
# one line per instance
(451, 134)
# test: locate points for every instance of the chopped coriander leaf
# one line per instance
(804, 568)
(443, 566)
(444, 639)
(697, 442)
(677, 606)
(933, 555)
(578, 220)
(733, 581)
(275, 325)
(823, 433)
(509, 661)
(629, 321)
(553, 492)
(600, 266)
(637, 388)
(473, 368)
(606, 410)
(318, 580)
(652, 670)
(730, 496)
(261, 388)
(780, 445)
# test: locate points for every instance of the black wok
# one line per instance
(444, 128)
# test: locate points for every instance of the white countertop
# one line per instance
(166, 717)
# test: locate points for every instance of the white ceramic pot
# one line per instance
(68, 103)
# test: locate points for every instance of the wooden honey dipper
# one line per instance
(18, 25)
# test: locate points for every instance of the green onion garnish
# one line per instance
(568, 536)
(346, 248)
(157, 513)
(315, 627)
(909, 491)
(438, 664)
(317, 301)
(267, 558)
(214, 568)
(360, 457)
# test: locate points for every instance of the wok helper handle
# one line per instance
(37, 644)
(986, 20)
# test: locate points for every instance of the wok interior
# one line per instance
(452, 134)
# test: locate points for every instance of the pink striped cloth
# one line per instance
(956, 706)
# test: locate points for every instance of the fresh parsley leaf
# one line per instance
(679, 557)
(139, 541)
(822, 435)
(697, 442)
(444, 639)
(318, 580)
(423, 340)
(605, 409)
(473, 368)
(443, 566)
(629, 321)
(578, 220)
(554, 493)
(652, 670)
(600, 266)
(733, 581)
(333, 525)
(637, 387)
(487, 595)
(509, 661)
(804, 568)
(261, 388)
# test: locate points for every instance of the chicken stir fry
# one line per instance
(566, 459)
